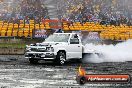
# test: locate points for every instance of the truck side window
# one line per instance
(74, 40)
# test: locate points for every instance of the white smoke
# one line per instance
(110, 53)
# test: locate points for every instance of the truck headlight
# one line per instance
(50, 49)
(28, 49)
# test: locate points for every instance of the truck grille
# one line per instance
(38, 50)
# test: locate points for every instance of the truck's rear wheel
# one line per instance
(33, 61)
(61, 58)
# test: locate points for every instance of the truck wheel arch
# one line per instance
(61, 51)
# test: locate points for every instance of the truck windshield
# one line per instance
(58, 38)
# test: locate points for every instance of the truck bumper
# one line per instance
(40, 55)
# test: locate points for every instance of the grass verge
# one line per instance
(12, 45)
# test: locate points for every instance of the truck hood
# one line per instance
(48, 43)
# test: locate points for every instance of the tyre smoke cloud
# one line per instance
(110, 53)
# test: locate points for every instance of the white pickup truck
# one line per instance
(58, 47)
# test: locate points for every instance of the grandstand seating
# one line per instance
(3, 33)
(20, 33)
(26, 32)
(21, 25)
(27, 25)
(9, 33)
(42, 26)
(47, 25)
(37, 26)
(14, 33)
(23, 29)
(32, 26)
(31, 33)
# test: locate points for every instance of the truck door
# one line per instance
(75, 47)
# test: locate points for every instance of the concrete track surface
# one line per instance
(16, 72)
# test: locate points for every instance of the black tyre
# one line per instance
(79, 60)
(61, 58)
(33, 61)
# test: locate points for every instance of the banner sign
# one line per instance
(40, 34)
(93, 35)
(83, 77)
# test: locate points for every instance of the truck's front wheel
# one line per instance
(32, 61)
(61, 58)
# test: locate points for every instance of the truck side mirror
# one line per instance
(74, 41)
